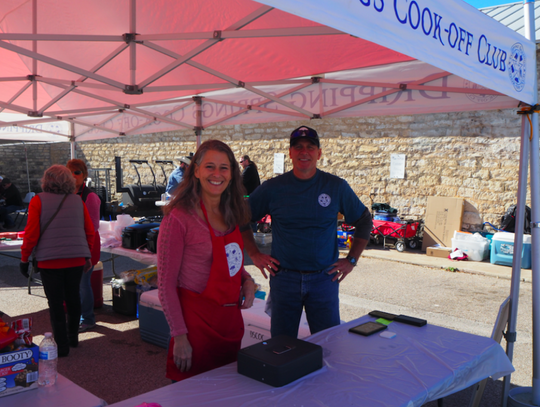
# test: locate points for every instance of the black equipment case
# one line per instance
(134, 236)
(279, 360)
(151, 239)
(124, 297)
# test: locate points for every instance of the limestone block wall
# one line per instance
(40, 156)
(473, 155)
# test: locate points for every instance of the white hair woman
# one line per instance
(60, 234)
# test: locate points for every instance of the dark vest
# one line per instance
(65, 237)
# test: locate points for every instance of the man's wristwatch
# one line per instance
(351, 260)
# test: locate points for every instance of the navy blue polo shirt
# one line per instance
(304, 217)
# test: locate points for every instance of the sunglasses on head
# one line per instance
(77, 172)
(305, 132)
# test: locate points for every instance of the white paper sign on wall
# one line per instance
(279, 163)
(397, 166)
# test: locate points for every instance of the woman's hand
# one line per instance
(247, 293)
(87, 266)
(182, 353)
(23, 268)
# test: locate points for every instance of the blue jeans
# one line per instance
(87, 299)
(291, 291)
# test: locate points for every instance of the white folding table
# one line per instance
(64, 393)
(420, 364)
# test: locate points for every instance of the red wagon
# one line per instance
(399, 234)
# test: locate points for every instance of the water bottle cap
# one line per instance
(48, 334)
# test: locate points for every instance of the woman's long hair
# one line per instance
(232, 205)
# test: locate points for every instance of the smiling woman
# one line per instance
(202, 280)
(214, 175)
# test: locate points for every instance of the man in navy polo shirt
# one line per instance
(304, 265)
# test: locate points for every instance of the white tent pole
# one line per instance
(132, 44)
(528, 11)
(530, 33)
(198, 127)
(73, 153)
(27, 172)
(34, 49)
(535, 256)
(518, 242)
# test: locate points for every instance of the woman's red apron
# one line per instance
(213, 318)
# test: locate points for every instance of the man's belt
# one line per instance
(303, 271)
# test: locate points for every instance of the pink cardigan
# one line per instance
(184, 260)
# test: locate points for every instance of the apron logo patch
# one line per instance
(234, 258)
(324, 200)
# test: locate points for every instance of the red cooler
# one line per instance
(96, 280)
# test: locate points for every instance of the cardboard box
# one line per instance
(443, 217)
(19, 370)
(257, 324)
(442, 252)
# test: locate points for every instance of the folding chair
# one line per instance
(24, 212)
(496, 335)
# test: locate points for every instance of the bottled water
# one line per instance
(48, 357)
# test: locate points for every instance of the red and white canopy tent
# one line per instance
(111, 69)
(82, 71)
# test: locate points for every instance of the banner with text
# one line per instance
(451, 35)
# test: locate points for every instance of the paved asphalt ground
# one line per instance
(114, 364)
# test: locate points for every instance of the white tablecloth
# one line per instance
(64, 393)
(416, 366)
(10, 245)
(142, 257)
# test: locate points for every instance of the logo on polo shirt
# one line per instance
(234, 258)
(324, 200)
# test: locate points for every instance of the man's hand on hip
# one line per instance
(265, 262)
(341, 269)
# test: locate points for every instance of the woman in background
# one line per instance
(202, 280)
(93, 203)
(60, 230)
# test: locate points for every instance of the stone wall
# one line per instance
(473, 155)
(13, 160)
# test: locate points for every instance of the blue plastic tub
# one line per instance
(502, 250)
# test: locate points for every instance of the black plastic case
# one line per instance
(124, 298)
(279, 360)
(151, 240)
(134, 236)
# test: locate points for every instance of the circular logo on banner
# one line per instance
(477, 97)
(234, 258)
(516, 66)
(324, 200)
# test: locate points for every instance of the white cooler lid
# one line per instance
(150, 299)
(509, 237)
